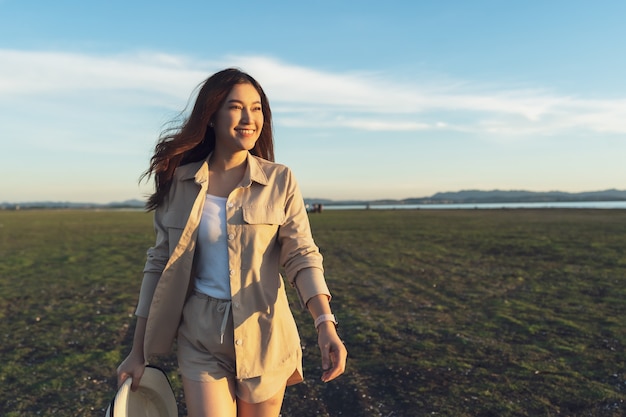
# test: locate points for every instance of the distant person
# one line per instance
(317, 208)
(227, 219)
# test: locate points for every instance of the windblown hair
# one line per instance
(194, 140)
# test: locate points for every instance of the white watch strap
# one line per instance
(325, 317)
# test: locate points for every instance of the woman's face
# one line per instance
(239, 121)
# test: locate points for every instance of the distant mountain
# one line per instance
(520, 196)
(134, 203)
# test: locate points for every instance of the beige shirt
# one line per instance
(268, 229)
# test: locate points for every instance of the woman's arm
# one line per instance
(303, 266)
(134, 364)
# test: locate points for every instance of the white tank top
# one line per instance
(212, 258)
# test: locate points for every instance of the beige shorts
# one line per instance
(206, 351)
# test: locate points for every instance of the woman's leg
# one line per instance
(210, 399)
(268, 408)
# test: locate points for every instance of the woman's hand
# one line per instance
(132, 367)
(334, 353)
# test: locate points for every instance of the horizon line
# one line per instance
(133, 200)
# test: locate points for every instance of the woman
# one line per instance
(226, 220)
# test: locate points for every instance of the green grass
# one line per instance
(453, 313)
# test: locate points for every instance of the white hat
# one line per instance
(154, 397)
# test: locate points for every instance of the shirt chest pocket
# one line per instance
(259, 232)
(174, 223)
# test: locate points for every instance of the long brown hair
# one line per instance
(194, 140)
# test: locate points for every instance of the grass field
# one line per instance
(451, 313)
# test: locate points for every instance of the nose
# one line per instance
(245, 115)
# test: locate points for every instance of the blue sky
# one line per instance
(371, 100)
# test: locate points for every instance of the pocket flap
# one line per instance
(174, 220)
(263, 215)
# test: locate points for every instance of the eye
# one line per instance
(236, 107)
(257, 108)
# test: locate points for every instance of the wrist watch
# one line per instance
(325, 317)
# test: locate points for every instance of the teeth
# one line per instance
(246, 131)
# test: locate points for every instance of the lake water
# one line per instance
(554, 205)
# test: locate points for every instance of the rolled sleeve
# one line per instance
(148, 285)
(310, 282)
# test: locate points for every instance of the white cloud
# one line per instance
(307, 97)
(428, 105)
(29, 73)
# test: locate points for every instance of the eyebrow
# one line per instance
(239, 101)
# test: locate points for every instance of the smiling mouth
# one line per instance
(245, 131)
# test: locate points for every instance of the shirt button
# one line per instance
(230, 205)
(237, 304)
(231, 272)
(231, 236)
(238, 342)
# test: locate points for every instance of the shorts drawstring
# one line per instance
(223, 307)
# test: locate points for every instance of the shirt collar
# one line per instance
(254, 172)
(199, 171)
